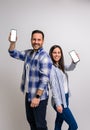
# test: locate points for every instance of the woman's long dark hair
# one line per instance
(61, 61)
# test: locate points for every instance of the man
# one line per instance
(35, 79)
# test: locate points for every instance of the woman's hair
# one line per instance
(61, 61)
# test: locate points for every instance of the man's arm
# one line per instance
(11, 47)
(44, 70)
(45, 67)
(15, 53)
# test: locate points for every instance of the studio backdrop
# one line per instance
(64, 22)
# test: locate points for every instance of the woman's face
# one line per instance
(56, 55)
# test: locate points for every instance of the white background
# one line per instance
(64, 22)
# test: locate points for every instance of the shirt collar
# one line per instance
(40, 49)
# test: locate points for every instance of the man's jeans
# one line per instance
(36, 116)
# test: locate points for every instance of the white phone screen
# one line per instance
(74, 56)
(13, 35)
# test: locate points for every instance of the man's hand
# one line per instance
(35, 102)
(60, 108)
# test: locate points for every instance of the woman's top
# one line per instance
(59, 84)
(65, 81)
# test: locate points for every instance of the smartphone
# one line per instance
(13, 35)
(74, 56)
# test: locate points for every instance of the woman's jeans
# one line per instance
(36, 116)
(66, 116)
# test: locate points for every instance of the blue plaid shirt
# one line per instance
(40, 65)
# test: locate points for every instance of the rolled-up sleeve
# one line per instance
(17, 54)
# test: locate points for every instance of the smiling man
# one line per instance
(35, 79)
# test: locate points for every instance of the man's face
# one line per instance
(37, 41)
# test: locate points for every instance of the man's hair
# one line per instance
(37, 31)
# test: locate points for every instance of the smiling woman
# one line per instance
(60, 89)
(56, 54)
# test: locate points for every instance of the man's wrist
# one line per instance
(38, 96)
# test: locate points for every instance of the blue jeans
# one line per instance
(36, 116)
(66, 116)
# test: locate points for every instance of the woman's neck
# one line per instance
(56, 64)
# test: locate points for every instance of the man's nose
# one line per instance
(36, 41)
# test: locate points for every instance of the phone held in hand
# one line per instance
(13, 35)
(74, 56)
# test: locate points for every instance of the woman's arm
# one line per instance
(70, 67)
(55, 88)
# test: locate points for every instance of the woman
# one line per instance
(60, 89)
